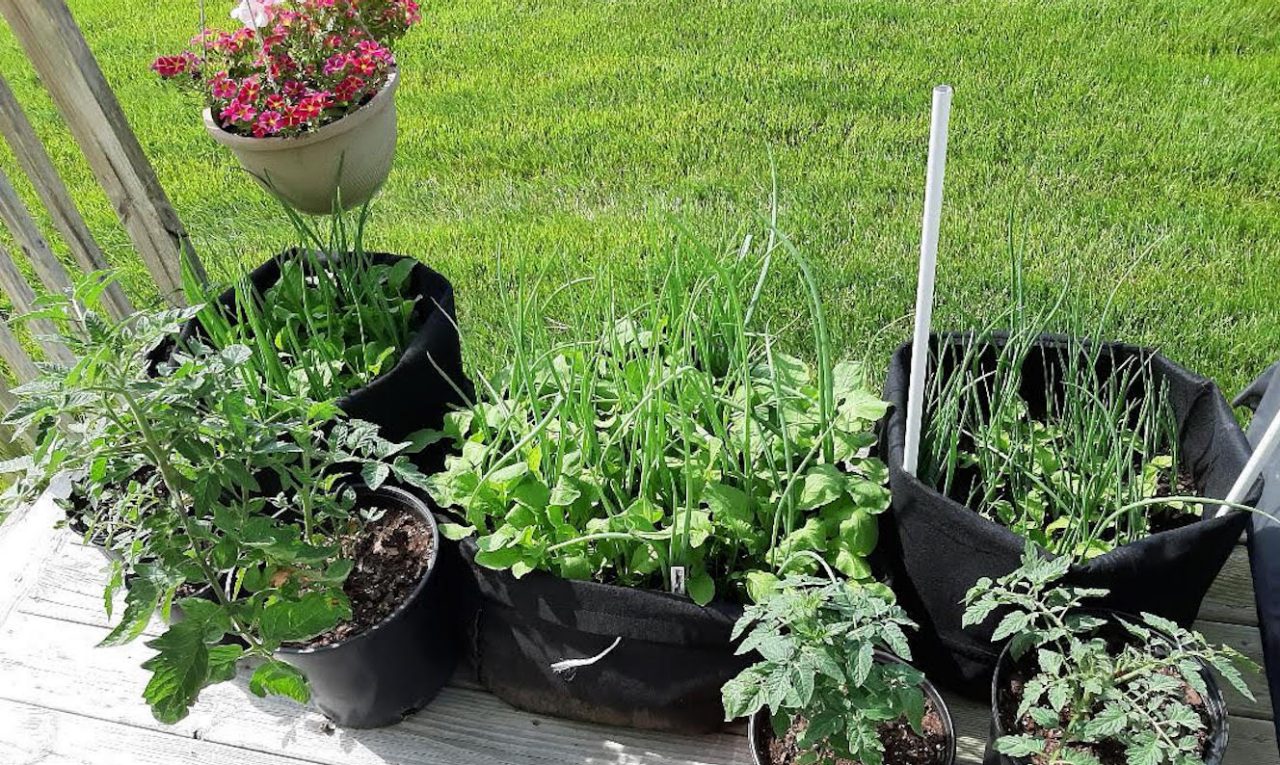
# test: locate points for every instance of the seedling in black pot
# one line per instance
(1076, 686)
(828, 688)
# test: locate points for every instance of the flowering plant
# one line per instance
(295, 65)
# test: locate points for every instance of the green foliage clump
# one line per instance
(333, 321)
(1081, 477)
(1092, 691)
(224, 504)
(818, 641)
(678, 437)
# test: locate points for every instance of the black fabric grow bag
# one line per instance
(1215, 705)
(413, 394)
(665, 672)
(934, 549)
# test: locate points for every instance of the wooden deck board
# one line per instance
(70, 702)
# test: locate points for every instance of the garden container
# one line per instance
(380, 675)
(647, 659)
(1216, 707)
(934, 548)
(422, 386)
(338, 166)
(760, 729)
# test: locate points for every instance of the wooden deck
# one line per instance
(62, 700)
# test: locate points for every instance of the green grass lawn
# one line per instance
(579, 136)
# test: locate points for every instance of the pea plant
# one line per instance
(677, 440)
(233, 514)
(1133, 689)
(817, 639)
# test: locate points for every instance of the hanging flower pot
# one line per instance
(303, 95)
(338, 166)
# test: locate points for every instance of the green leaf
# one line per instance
(760, 584)
(375, 474)
(277, 678)
(181, 666)
(312, 614)
(1020, 746)
(500, 559)
(147, 589)
(455, 532)
(701, 587)
(822, 485)
(222, 662)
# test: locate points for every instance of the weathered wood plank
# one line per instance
(23, 298)
(58, 51)
(54, 664)
(27, 234)
(1230, 599)
(16, 356)
(35, 162)
(37, 735)
(27, 541)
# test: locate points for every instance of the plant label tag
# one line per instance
(677, 579)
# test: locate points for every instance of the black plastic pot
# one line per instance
(759, 728)
(933, 548)
(1215, 703)
(660, 660)
(395, 668)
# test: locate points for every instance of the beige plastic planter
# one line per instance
(352, 156)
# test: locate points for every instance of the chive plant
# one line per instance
(677, 442)
(1079, 465)
(334, 319)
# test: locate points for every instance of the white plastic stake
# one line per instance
(928, 266)
(1253, 468)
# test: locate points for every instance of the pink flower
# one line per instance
(222, 87)
(275, 102)
(240, 112)
(254, 14)
(335, 63)
(365, 65)
(172, 66)
(250, 90)
(294, 89)
(349, 88)
(269, 123)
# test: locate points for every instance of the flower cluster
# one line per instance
(295, 65)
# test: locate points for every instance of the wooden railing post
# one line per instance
(35, 161)
(27, 234)
(58, 51)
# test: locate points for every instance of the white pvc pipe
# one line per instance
(1253, 468)
(928, 266)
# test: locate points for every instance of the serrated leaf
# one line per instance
(374, 474)
(1020, 746)
(309, 616)
(276, 678)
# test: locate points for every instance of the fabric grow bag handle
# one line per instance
(1263, 396)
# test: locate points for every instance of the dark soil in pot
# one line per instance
(390, 556)
(401, 645)
(902, 745)
(1012, 675)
